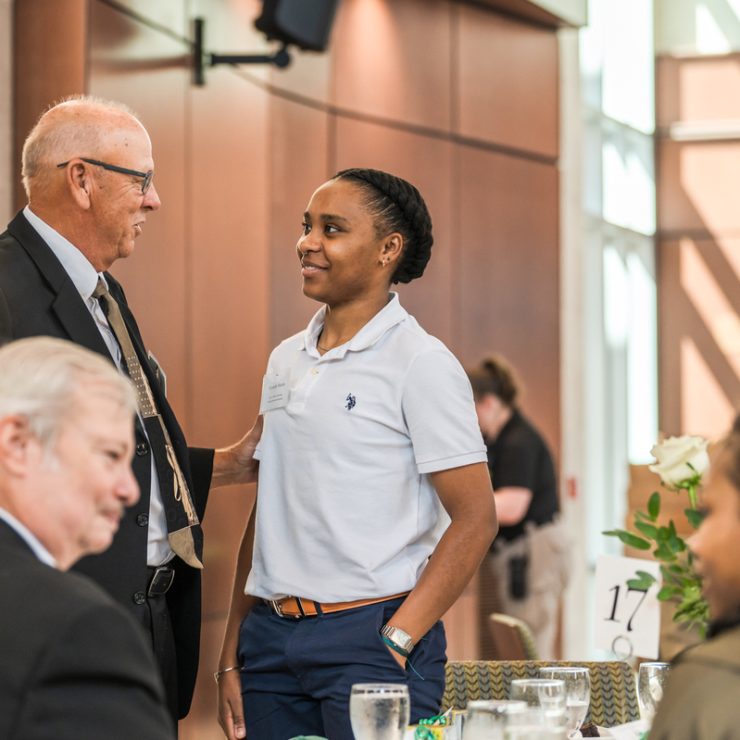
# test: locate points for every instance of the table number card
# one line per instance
(627, 619)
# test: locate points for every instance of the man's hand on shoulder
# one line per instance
(236, 464)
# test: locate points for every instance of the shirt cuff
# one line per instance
(456, 461)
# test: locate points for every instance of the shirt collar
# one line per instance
(391, 314)
(75, 264)
(29, 538)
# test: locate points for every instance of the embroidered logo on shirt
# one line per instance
(351, 402)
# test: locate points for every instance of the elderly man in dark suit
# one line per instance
(74, 665)
(87, 169)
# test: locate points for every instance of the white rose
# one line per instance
(680, 459)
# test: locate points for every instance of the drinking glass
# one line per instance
(650, 681)
(546, 697)
(379, 711)
(577, 693)
(486, 718)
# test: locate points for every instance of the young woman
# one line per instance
(374, 503)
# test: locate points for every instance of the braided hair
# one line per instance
(495, 376)
(397, 206)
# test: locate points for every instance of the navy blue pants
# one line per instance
(298, 673)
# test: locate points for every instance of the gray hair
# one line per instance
(41, 379)
(72, 127)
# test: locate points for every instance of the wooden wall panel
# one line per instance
(508, 82)
(699, 304)
(427, 163)
(392, 59)
(155, 275)
(698, 248)
(59, 28)
(698, 184)
(697, 90)
(299, 164)
(509, 270)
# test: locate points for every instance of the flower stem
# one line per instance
(692, 495)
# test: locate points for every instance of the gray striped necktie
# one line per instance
(181, 540)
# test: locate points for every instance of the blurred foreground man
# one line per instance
(88, 172)
(74, 665)
(701, 696)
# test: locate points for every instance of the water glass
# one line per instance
(650, 681)
(379, 711)
(545, 699)
(577, 693)
(486, 718)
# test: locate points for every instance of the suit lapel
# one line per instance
(68, 305)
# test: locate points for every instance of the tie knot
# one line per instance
(101, 291)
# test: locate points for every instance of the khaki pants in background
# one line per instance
(547, 549)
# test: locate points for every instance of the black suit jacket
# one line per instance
(74, 665)
(37, 297)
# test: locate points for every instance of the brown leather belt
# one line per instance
(296, 607)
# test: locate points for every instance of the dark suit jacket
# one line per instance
(37, 297)
(74, 665)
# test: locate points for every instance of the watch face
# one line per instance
(399, 637)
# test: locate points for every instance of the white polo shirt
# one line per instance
(345, 508)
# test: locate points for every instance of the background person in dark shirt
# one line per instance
(529, 557)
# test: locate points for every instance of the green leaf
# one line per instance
(649, 530)
(664, 534)
(663, 552)
(695, 517)
(632, 540)
(643, 581)
(654, 506)
(668, 592)
(676, 544)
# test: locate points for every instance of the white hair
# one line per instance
(41, 379)
(72, 127)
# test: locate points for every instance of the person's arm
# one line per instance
(236, 464)
(230, 707)
(512, 503)
(467, 497)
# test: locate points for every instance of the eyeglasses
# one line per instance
(146, 176)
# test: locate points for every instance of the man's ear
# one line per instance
(15, 443)
(79, 183)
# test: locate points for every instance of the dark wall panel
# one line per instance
(299, 139)
(508, 82)
(427, 163)
(509, 267)
(392, 59)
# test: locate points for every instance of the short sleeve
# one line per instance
(440, 413)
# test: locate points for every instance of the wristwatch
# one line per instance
(398, 637)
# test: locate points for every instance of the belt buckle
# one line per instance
(161, 581)
(278, 609)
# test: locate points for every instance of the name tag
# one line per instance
(275, 393)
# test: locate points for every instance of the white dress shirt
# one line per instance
(85, 279)
(29, 538)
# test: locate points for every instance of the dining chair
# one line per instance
(512, 638)
(613, 695)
